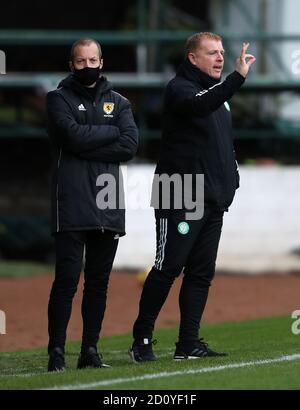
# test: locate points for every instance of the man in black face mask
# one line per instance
(92, 130)
(86, 63)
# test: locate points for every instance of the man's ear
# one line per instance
(101, 63)
(71, 66)
(191, 57)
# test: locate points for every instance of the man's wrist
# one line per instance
(242, 75)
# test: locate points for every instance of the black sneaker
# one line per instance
(195, 350)
(56, 361)
(90, 358)
(141, 350)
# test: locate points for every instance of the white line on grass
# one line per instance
(150, 376)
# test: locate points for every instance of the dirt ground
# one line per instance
(231, 298)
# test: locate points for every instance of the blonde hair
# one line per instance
(194, 41)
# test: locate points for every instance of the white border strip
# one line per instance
(150, 376)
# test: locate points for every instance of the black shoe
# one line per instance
(141, 350)
(56, 361)
(90, 358)
(194, 350)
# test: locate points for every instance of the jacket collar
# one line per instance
(193, 73)
(102, 86)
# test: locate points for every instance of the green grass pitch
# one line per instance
(263, 354)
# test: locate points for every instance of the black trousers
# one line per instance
(100, 249)
(190, 246)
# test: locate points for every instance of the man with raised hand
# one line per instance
(196, 140)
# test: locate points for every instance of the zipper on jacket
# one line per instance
(57, 204)
(102, 229)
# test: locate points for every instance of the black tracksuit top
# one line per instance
(197, 132)
(90, 136)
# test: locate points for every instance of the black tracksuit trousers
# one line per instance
(194, 251)
(100, 250)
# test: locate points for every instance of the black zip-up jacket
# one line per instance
(197, 132)
(91, 135)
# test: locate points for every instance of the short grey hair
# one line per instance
(84, 42)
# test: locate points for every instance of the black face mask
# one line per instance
(87, 75)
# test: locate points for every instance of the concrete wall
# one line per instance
(260, 230)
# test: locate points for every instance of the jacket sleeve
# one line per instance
(185, 101)
(71, 136)
(125, 148)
